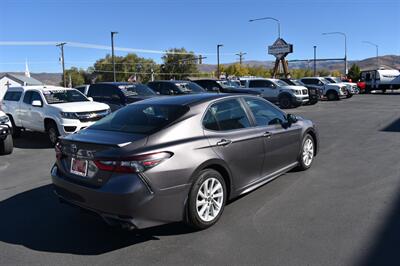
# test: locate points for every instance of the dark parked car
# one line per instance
(118, 94)
(313, 93)
(175, 87)
(170, 159)
(213, 85)
(6, 141)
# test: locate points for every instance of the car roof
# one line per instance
(39, 87)
(171, 81)
(189, 99)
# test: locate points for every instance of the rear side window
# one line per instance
(13, 96)
(226, 115)
(141, 118)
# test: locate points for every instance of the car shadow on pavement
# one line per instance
(384, 246)
(35, 219)
(32, 140)
(393, 127)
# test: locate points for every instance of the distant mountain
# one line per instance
(387, 61)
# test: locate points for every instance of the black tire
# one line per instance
(332, 96)
(52, 132)
(302, 163)
(6, 145)
(16, 131)
(285, 102)
(193, 218)
(312, 102)
(349, 95)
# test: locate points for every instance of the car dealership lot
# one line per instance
(343, 211)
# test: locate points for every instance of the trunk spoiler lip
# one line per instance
(96, 142)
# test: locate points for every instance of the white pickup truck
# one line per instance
(54, 110)
(332, 91)
(6, 141)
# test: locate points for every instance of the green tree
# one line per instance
(354, 73)
(178, 63)
(77, 77)
(336, 73)
(125, 67)
(323, 73)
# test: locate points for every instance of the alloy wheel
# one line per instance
(308, 152)
(209, 200)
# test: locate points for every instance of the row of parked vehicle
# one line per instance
(61, 111)
(163, 159)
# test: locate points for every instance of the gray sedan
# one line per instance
(170, 159)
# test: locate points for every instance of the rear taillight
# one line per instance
(58, 150)
(134, 164)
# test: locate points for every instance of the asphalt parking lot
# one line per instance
(344, 211)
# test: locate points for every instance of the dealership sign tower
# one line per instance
(280, 49)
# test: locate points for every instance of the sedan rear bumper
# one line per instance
(126, 200)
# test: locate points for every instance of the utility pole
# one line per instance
(218, 71)
(112, 53)
(61, 45)
(241, 54)
(315, 60)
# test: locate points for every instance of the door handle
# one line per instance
(267, 134)
(224, 142)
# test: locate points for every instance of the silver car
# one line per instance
(179, 158)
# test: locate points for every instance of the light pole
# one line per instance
(218, 72)
(345, 47)
(315, 60)
(112, 53)
(61, 45)
(377, 51)
(270, 18)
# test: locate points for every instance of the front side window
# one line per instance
(264, 113)
(140, 118)
(35, 96)
(226, 115)
(27, 97)
(63, 96)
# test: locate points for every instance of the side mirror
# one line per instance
(37, 103)
(90, 99)
(291, 119)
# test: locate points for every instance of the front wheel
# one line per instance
(332, 96)
(53, 133)
(306, 156)
(206, 200)
(285, 102)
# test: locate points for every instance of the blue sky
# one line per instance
(195, 25)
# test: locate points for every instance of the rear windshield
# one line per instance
(64, 96)
(140, 118)
(135, 90)
(189, 87)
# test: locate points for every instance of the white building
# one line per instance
(10, 80)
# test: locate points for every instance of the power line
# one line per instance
(99, 47)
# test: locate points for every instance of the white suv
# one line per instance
(278, 91)
(54, 110)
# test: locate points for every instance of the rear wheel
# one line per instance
(16, 131)
(6, 145)
(207, 199)
(306, 156)
(52, 132)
